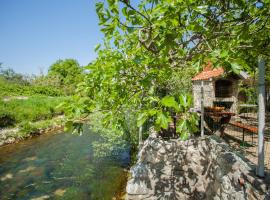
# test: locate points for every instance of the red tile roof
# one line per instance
(208, 72)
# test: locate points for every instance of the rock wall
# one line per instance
(202, 168)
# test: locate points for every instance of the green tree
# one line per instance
(147, 42)
(65, 74)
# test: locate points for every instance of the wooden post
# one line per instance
(141, 128)
(261, 116)
(202, 109)
(140, 137)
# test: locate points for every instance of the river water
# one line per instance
(62, 166)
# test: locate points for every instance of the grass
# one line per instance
(26, 129)
(35, 108)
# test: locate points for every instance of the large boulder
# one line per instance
(200, 168)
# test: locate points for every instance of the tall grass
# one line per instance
(17, 111)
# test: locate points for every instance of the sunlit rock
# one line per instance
(28, 169)
(10, 140)
(44, 197)
(59, 192)
(6, 177)
(30, 158)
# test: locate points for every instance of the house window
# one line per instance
(223, 88)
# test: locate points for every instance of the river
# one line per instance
(62, 166)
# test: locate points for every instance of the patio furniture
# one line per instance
(246, 129)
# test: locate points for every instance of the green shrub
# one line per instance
(6, 119)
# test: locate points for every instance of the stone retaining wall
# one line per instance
(193, 169)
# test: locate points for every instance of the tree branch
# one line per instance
(132, 8)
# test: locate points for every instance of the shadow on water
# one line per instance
(62, 166)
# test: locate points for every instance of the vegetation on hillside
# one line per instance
(31, 102)
(61, 79)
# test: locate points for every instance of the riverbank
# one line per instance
(19, 133)
(22, 117)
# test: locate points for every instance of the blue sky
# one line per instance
(36, 33)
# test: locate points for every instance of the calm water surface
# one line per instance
(61, 166)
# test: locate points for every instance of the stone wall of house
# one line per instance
(202, 168)
(209, 93)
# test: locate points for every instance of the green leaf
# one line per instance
(99, 6)
(169, 101)
(182, 129)
(236, 68)
(163, 120)
(141, 119)
(153, 99)
(152, 112)
(201, 9)
(184, 135)
(124, 11)
(130, 30)
(181, 126)
(131, 12)
(185, 101)
(224, 53)
(97, 47)
(68, 126)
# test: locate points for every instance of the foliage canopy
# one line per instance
(66, 74)
(146, 42)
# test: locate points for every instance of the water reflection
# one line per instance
(63, 166)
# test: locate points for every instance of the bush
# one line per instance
(6, 119)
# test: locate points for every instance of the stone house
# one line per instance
(219, 88)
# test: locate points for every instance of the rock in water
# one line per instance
(202, 168)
